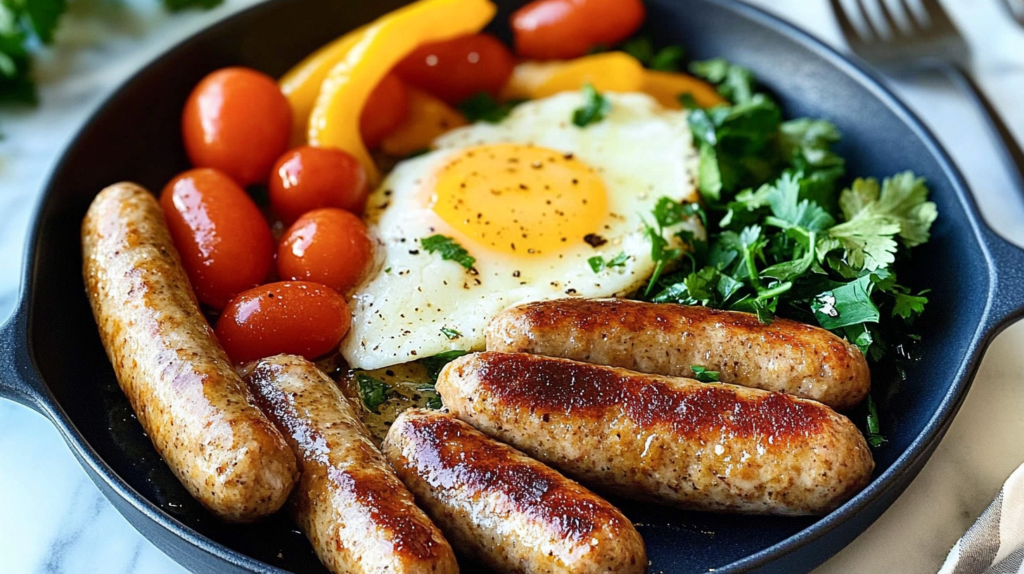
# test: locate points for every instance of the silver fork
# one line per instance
(934, 44)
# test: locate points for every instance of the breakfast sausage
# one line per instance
(354, 510)
(665, 339)
(176, 376)
(700, 446)
(505, 509)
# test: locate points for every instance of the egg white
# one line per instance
(640, 150)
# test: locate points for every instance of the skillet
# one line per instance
(51, 359)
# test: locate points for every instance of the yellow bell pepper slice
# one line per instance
(666, 87)
(334, 121)
(302, 83)
(607, 72)
(428, 117)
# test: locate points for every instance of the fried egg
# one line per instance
(531, 199)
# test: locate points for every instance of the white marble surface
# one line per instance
(52, 519)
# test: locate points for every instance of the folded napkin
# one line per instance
(995, 543)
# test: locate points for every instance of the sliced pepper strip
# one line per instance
(334, 121)
(302, 83)
(607, 72)
(666, 87)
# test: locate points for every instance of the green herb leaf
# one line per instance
(437, 362)
(909, 306)
(451, 334)
(44, 15)
(484, 108)
(433, 398)
(595, 107)
(640, 47)
(373, 392)
(735, 83)
(875, 438)
(449, 250)
(598, 264)
(703, 375)
(848, 304)
(667, 59)
(687, 101)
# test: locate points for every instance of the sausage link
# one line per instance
(178, 379)
(698, 446)
(505, 509)
(354, 510)
(664, 339)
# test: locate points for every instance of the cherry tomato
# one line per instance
(329, 246)
(238, 121)
(294, 317)
(385, 110)
(459, 68)
(224, 242)
(563, 29)
(308, 178)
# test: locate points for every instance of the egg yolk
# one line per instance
(520, 199)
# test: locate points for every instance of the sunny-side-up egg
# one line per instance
(531, 198)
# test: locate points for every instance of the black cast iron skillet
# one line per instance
(52, 360)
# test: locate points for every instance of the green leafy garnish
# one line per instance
(484, 108)
(703, 375)
(373, 392)
(449, 250)
(595, 107)
(598, 263)
(667, 59)
(875, 438)
(735, 83)
(437, 362)
(433, 399)
(450, 333)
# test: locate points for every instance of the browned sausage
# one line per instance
(505, 509)
(702, 446)
(664, 339)
(355, 511)
(176, 376)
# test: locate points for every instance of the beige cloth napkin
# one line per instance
(995, 543)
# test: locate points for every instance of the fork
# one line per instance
(934, 44)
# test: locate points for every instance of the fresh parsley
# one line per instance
(875, 438)
(372, 392)
(435, 363)
(451, 334)
(703, 375)
(448, 249)
(484, 108)
(595, 107)
(598, 263)
(667, 59)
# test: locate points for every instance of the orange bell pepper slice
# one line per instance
(428, 117)
(666, 87)
(607, 72)
(334, 120)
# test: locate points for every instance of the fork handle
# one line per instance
(1011, 151)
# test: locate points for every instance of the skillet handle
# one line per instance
(1007, 296)
(19, 379)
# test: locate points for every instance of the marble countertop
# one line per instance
(53, 519)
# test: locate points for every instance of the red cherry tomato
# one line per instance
(329, 246)
(384, 111)
(298, 318)
(224, 242)
(459, 68)
(308, 178)
(237, 121)
(562, 29)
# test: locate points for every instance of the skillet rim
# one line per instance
(891, 482)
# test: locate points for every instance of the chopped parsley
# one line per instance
(451, 334)
(598, 263)
(437, 362)
(448, 249)
(875, 438)
(372, 392)
(595, 107)
(667, 59)
(484, 108)
(703, 375)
